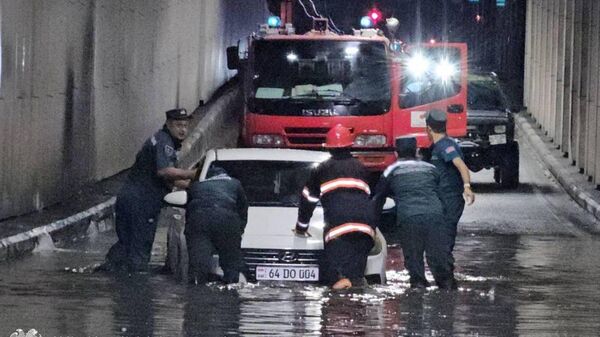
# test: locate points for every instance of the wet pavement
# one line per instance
(525, 266)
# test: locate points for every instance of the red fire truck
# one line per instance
(296, 87)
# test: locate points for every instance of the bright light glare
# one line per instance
(274, 21)
(292, 57)
(351, 51)
(445, 70)
(366, 22)
(418, 65)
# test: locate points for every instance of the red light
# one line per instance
(375, 15)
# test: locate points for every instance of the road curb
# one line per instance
(580, 196)
(101, 217)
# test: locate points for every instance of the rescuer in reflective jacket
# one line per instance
(340, 183)
(414, 186)
(139, 201)
(216, 216)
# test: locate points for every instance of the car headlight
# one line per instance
(500, 129)
(370, 140)
(267, 140)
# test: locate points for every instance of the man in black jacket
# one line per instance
(216, 216)
(414, 186)
(340, 183)
(139, 201)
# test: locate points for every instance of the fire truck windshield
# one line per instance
(429, 75)
(302, 77)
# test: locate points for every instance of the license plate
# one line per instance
(287, 273)
(497, 139)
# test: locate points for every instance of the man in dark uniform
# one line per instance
(340, 183)
(139, 201)
(455, 180)
(414, 184)
(216, 216)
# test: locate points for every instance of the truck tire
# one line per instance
(508, 172)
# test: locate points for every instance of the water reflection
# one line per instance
(133, 307)
(509, 286)
(211, 312)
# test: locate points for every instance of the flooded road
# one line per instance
(524, 265)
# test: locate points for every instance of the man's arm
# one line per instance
(382, 190)
(173, 174)
(466, 178)
(308, 201)
(242, 205)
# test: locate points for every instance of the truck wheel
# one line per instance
(508, 171)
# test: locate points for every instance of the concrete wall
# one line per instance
(562, 73)
(84, 82)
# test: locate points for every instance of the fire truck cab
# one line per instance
(296, 87)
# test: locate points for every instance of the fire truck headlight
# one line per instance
(418, 65)
(445, 70)
(291, 57)
(267, 140)
(369, 140)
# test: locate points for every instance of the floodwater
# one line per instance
(525, 269)
(510, 285)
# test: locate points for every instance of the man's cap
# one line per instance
(408, 142)
(177, 114)
(436, 116)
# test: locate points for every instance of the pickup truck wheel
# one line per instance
(508, 171)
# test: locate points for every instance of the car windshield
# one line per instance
(485, 95)
(270, 183)
(293, 75)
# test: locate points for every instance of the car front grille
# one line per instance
(254, 257)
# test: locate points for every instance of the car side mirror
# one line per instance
(177, 199)
(389, 204)
(233, 57)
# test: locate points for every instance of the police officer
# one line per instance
(455, 180)
(138, 203)
(340, 183)
(216, 216)
(414, 184)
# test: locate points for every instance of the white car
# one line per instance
(273, 180)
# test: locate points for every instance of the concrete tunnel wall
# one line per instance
(562, 74)
(84, 83)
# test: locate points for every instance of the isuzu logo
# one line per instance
(318, 112)
(288, 256)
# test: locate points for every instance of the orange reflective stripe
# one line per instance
(345, 183)
(349, 228)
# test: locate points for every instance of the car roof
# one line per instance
(271, 154)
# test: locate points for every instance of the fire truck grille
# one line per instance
(306, 140)
(255, 257)
(307, 130)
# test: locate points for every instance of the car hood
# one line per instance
(487, 117)
(271, 228)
